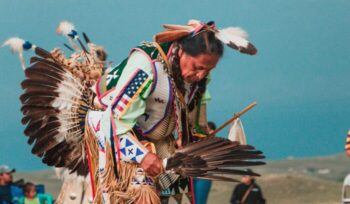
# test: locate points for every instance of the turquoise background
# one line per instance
(299, 77)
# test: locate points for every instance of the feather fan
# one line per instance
(212, 156)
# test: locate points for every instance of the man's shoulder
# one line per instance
(5, 187)
(240, 186)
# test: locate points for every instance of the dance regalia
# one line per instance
(89, 120)
(138, 101)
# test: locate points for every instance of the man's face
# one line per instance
(6, 177)
(247, 180)
(196, 68)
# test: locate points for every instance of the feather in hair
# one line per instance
(236, 38)
(170, 35)
(178, 27)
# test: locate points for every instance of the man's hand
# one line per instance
(152, 164)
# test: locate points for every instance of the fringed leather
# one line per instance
(117, 190)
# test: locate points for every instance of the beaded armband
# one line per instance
(131, 150)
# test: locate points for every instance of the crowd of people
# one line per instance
(19, 192)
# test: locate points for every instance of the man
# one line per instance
(247, 192)
(141, 111)
(5, 184)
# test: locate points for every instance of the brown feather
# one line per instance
(28, 108)
(30, 82)
(170, 35)
(39, 124)
(38, 97)
(46, 64)
(43, 74)
(38, 113)
(41, 146)
(42, 52)
(54, 156)
(250, 49)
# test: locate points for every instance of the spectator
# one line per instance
(32, 197)
(347, 145)
(5, 184)
(247, 192)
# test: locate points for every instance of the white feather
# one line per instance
(234, 35)
(64, 28)
(15, 44)
(236, 31)
(194, 23)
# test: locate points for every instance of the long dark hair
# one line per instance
(203, 42)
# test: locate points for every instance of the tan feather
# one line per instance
(170, 35)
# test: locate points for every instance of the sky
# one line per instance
(299, 77)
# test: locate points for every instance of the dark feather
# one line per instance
(34, 114)
(41, 73)
(69, 48)
(27, 83)
(53, 156)
(38, 97)
(250, 49)
(214, 156)
(87, 40)
(40, 62)
(41, 125)
(42, 52)
(28, 108)
(41, 146)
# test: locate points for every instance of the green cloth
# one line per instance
(41, 198)
(31, 201)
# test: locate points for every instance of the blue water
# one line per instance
(299, 77)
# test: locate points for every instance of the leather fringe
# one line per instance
(119, 191)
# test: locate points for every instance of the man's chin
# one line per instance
(190, 80)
